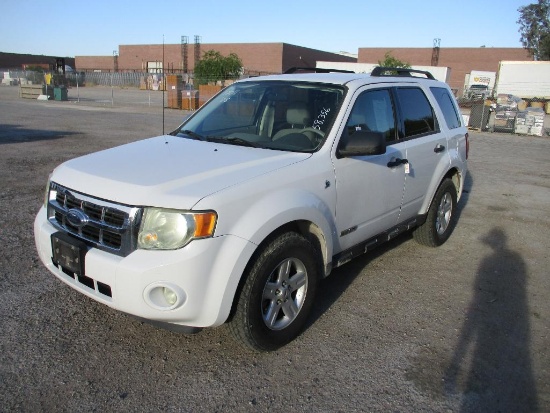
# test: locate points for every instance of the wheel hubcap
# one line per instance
(284, 294)
(444, 212)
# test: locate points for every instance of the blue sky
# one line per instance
(83, 28)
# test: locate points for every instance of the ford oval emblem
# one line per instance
(77, 217)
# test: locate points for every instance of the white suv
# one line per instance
(236, 215)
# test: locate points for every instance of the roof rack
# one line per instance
(315, 70)
(383, 71)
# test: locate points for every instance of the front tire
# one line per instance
(440, 221)
(278, 293)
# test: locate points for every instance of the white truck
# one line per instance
(479, 84)
(236, 215)
(524, 79)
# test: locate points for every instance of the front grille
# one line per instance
(108, 226)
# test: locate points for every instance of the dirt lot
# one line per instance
(461, 328)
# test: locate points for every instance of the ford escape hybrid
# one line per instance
(235, 216)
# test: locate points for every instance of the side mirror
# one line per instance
(363, 143)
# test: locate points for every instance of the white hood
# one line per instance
(168, 171)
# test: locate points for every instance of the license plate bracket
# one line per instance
(68, 252)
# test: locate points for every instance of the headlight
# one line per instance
(169, 229)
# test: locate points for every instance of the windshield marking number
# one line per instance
(321, 118)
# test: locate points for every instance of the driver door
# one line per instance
(369, 191)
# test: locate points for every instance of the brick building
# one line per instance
(259, 58)
(461, 60)
(262, 58)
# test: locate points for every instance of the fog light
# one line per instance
(170, 296)
(164, 296)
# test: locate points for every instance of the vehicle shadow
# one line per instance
(18, 134)
(332, 287)
(491, 366)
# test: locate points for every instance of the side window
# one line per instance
(418, 115)
(373, 111)
(447, 106)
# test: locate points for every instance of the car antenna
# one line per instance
(163, 87)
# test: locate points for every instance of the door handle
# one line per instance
(439, 148)
(397, 162)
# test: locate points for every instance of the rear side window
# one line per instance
(418, 116)
(447, 106)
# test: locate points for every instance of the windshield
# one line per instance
(280, 115)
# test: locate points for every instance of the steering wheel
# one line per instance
(318, 132)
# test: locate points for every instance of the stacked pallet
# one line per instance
(174, 85)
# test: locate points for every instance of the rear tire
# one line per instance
(278, 293)
(440, 221)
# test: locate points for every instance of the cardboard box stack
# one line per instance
(190, 99)
(174, 85)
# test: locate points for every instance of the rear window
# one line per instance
(447, 106)
(418, 116)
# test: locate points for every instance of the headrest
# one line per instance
(297, 114)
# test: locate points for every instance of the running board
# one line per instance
(368, 245)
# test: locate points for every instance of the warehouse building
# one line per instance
(17, 61)
(257, 58)
(266, 58)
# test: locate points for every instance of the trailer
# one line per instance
(525, 79)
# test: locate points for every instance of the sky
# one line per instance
(96, 28)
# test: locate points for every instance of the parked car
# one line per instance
(235, 216)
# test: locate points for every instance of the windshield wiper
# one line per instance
(193, 135)
(231, 141)
(242, 142)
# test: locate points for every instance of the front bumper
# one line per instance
(204, 274)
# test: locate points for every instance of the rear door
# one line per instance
(426, 148)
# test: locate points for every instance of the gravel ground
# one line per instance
(461, 328)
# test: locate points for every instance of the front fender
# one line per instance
(255, 221)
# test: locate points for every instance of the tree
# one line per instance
(213, 67)
(534, 22)
(390, 61)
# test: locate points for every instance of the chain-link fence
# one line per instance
(15, 77)
(125, 79)
(142, 80)
(77, 86)
(122, 79)
(141, 89)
